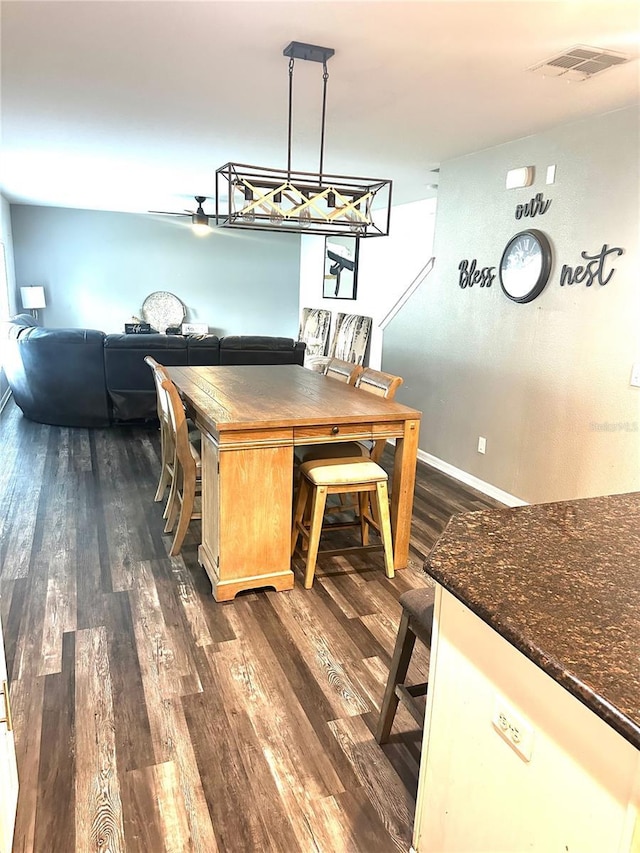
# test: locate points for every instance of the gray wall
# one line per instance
(547, 383)
(98, 267)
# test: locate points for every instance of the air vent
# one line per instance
(579, 63)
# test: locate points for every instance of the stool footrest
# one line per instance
(406, 694)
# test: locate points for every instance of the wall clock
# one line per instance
(525, 265)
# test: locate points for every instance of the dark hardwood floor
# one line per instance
(150, 718)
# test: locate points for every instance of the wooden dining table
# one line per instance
(251, 418)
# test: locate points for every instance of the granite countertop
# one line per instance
(561, 582)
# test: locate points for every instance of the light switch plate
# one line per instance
(635, 375)
(521, 177)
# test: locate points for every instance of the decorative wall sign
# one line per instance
(536, 206)
(470, 274)
(593, 271)
(525, 265)
(340, 267)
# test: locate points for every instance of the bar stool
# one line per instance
(187, 472)
(416, 620)
(322, 477)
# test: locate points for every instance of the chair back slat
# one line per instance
(179, 427)
(159, 375)
(383, 385)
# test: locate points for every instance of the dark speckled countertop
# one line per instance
(561, 582)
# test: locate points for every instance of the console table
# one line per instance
(251, 417)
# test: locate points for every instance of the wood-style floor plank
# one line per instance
(98, 806)
(151, 718)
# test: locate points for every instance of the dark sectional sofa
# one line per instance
(84, 378)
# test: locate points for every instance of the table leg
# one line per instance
(404, 480)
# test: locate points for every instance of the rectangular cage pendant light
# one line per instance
(265, 199)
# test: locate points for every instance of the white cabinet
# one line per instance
(8, 768)
(580, 788)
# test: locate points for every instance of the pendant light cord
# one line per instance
(291, 61)
(325, 78)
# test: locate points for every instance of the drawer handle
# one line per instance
(335, 430)
(7, 717)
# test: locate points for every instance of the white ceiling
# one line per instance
(132, 105)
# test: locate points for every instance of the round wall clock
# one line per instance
(525, 265)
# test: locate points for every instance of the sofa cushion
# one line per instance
(129, 380)
(57, 375)
(203, 350)
(260, 349)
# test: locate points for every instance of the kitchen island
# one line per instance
(532, 733)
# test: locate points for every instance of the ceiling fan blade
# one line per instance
(170, 212)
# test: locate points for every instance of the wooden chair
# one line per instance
(374, 382)
(167, 445)
(415, 623)
(187, 479)
(343, 371)
(322, 477)
(167, 441)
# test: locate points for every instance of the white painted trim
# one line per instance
(469, 479)
(5, 399)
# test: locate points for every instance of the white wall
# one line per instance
(547, 383)
(98, 267)
(7, 239)
(386, 267)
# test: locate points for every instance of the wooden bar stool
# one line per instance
(322, 477)
(416, 620)
(187, 474)
(167, 445)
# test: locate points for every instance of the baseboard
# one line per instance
(5, 399)
(469, 480)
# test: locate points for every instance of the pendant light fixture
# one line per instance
(264, 199)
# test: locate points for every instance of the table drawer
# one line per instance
(332, 432)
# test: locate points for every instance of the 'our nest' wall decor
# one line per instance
(527, 259)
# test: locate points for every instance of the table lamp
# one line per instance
(32, 299)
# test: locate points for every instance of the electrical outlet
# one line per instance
(635, 375)
(482, 444)
(513, 728)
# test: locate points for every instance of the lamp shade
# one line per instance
(33, 297)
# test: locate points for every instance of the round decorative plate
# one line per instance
(162, 309)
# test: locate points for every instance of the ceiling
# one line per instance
(131, 106)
